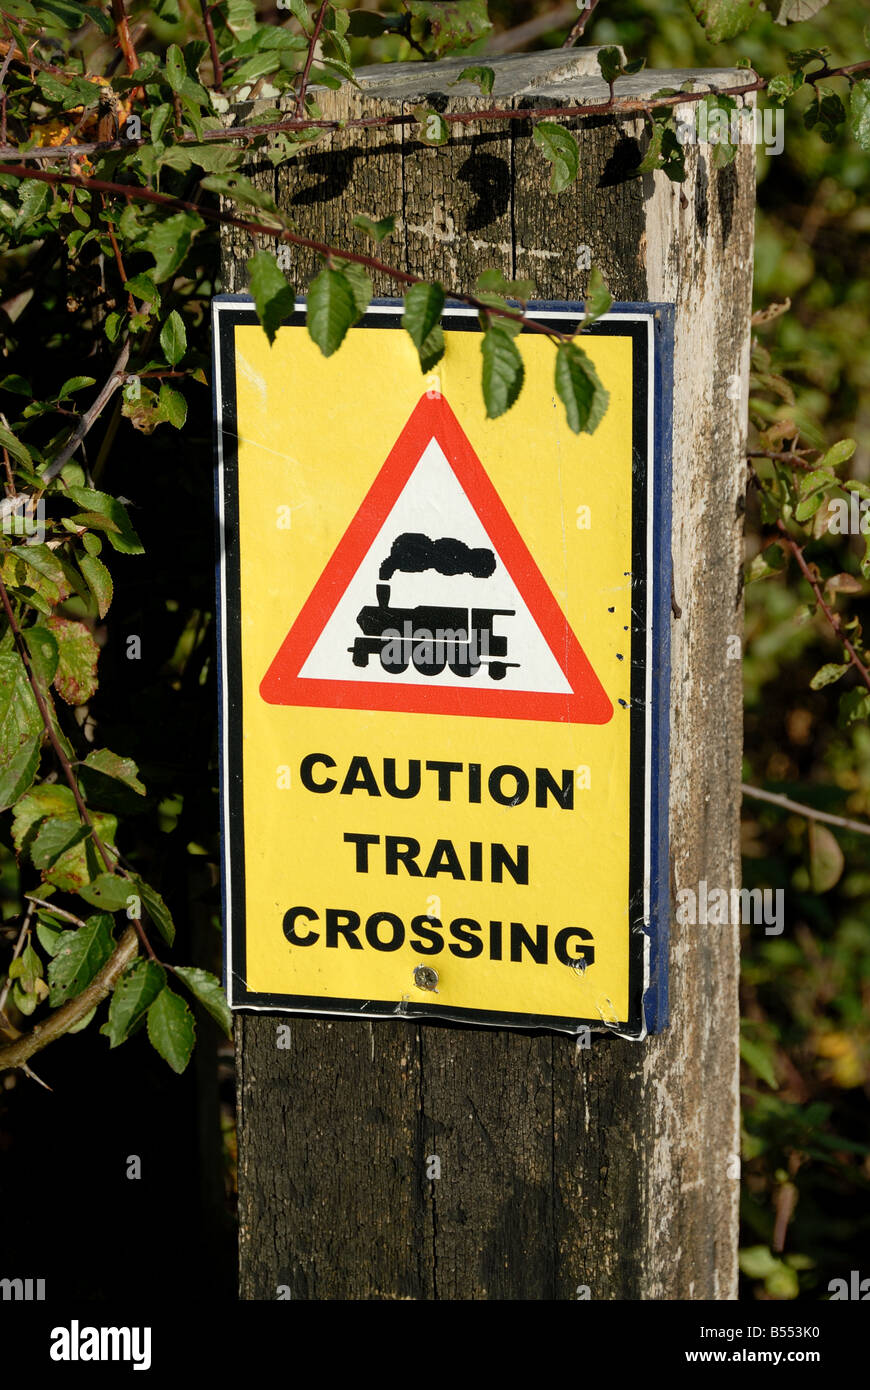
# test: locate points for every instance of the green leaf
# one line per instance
(156, 909)
(331, 310)
(598, 297)
(98, 578)
(170, 240)
(610, 63)
(76, 677)
(18, 451)
(503, 371)
(827, 674)
(826, 858)
(760, 1059)
(44, 654)
(273, 298)
(173, 338)
(241, 18)
(359, 283)
(121, 535)
(171, 1029)
(793, 11)
(132, 997)
(48, 934)
(422, 319)
(17, 773)
(208, 989)
(440, 26)
(111, 765)
(756, 1262)
(724, 19)
(559, 146)
(20, 720)
(107, 891)
(241, 190)
(859, 114)
(80, 955)
(144, 288)
(482, 77)
(579, 388)
(173, 406)
(75, 383)
(376, 230)
(55, 836)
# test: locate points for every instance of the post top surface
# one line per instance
(560, 73)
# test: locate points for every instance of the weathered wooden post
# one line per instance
(613, 1168)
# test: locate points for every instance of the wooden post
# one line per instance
(613, 1168)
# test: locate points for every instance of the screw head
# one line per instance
(425, 977)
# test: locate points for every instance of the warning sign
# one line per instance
(444, 677)
(405, 618)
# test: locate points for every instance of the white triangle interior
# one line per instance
(434, 504)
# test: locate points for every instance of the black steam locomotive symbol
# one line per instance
(433, 637)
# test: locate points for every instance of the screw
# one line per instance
(425, 977)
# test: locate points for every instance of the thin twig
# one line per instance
(309, 58)
(148, 195)
(19, 947)
(831, 616)
(810, 812)
(119, 15)
(90, 417)
(16, 1053)
(217, 67)
(55, 911)
(577, 31)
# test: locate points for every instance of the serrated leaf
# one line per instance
(422, 319)
(172, 405)
(76, 676)
(98, 579)
(579, 389)
(112, 765)
(132, 997)
(48, 935)
(492, 281)
(171, 1029)
(503, 371)
(80, 955)
(559, 146)
(18, 451)
(826, 858)
(274, 300)
(144, 287)
(331, 310)
(208, 989)
(173, 338)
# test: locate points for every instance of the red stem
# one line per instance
(832, 617)
(309, 58)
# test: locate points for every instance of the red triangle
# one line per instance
(282, 685)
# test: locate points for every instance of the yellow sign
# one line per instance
(444, 755)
